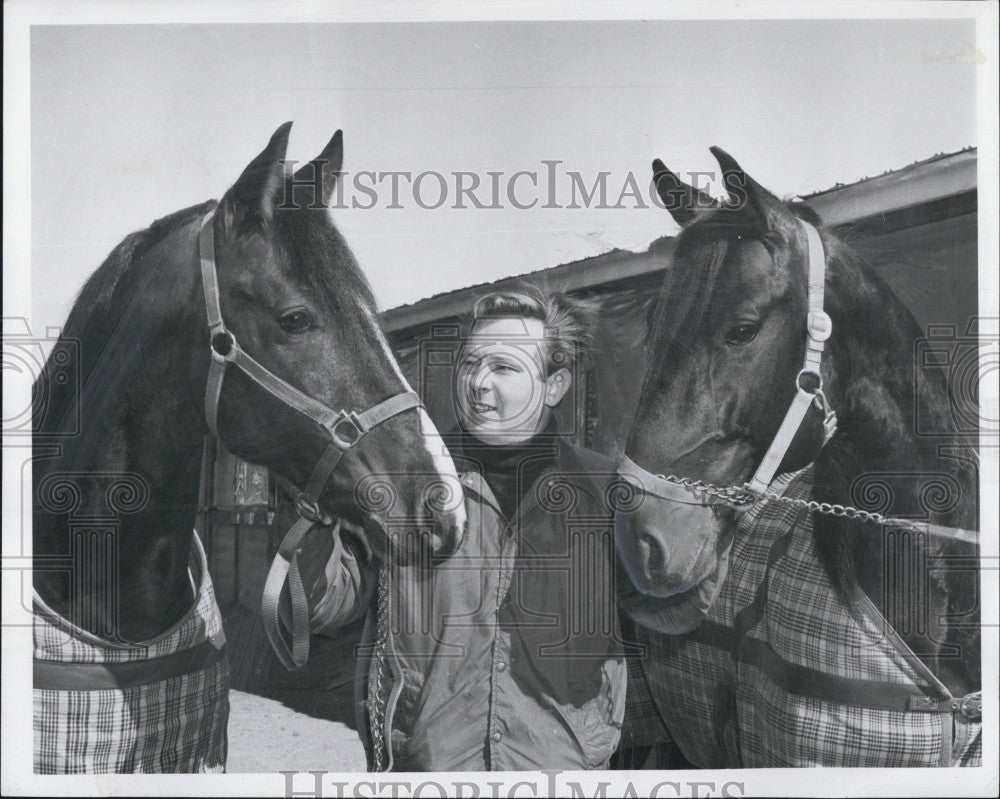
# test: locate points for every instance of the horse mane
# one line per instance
(876, 345)
(90, 322)
(97, 293)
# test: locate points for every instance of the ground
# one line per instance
(267, 736)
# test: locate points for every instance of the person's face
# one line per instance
(503, 393)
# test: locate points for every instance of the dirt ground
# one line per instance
(267, 736)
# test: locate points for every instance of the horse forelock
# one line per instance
(320, 259)
(696, 270)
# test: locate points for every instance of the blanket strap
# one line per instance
(792, 678)
(52, 675)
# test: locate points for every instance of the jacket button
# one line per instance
(496, 737)
(501, 666)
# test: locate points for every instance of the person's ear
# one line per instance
(556, 386)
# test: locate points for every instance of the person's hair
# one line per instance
(569, 323)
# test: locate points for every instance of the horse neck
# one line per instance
(883, 397)
(878, 462)
(115, 506)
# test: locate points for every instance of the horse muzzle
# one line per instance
(667, 549)
(408, 543)
(667, 535)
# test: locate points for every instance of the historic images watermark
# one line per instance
(548, 185)
(547, 783)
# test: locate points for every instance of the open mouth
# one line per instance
(480, 407)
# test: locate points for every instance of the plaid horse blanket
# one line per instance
(781, 674)
(162, 706)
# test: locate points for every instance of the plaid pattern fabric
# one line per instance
(643, 725)
(723, 717)
(172, 725)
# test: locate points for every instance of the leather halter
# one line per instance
(345, 429)
(819, 326)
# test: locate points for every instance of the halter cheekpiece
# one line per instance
(819, 326)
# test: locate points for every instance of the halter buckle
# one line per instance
(346, 430)
(307, 508)
(819, 325)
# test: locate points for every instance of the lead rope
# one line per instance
(378, 698)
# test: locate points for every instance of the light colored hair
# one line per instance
(569, 323)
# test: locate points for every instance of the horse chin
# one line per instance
(667, 548)
(411, 544)
(447, 535)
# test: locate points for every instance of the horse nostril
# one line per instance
(653, 553)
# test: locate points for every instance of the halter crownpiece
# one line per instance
(345, 429)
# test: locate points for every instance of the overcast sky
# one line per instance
(129, 123)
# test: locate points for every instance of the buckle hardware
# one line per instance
(346, 430)
(972, 708)
(812, 392)
(306, 508)
(223, 344)
(819, 325)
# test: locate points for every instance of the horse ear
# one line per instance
(329, 163)
(683, 201)
(757, 205)
(254, 194)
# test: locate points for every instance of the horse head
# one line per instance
(726, 346)
(293, 297)
(738, 343)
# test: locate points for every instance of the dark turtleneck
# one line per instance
(510, 469)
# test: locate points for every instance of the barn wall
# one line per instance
(931, 266)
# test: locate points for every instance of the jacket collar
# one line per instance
(569, 467)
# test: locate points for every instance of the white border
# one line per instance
(21, 14)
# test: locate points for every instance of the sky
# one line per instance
(131, 122)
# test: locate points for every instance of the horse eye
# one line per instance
(295, 322)
(743, 333)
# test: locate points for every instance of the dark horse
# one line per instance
(117, 454)
(727, 344)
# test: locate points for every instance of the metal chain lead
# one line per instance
(378, 698)
(739, 496)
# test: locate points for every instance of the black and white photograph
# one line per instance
(501, 399)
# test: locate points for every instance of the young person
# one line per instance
(505, 656)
